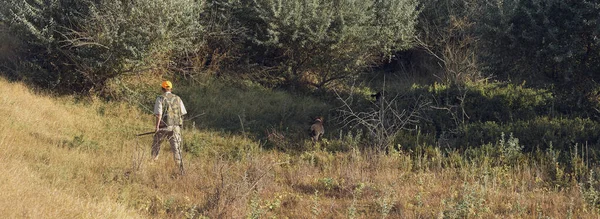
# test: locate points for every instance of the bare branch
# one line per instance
(384, 120)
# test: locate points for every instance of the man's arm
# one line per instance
(157, 124)
(157, 113)
(182, 107)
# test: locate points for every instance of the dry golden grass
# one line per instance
(64, 158)
(36, 167)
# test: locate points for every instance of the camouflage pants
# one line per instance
(173, 134)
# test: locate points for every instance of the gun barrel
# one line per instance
(147, 133)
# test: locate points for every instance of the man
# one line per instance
(169, 110)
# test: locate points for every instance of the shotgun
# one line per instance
(147, 133)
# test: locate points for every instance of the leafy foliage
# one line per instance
(551, 38)
(317, 42)
(541, 132)
(473, 115)
(79, 45)
(453, 105)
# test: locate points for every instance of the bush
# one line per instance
(477, 114)
(453, 106)
(317, 42)
(79, 45)
(540, 133)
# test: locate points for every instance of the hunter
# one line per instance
(169, 110)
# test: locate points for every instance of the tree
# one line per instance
(554, 39)
(79, 45)
(316, 42)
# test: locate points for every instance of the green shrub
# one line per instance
(345, 142)
(411, 140)
(79, 45)
(477, 114)
(499, 102)
(470, 202)
(454, 109)
(318, 42)
(510, 149)
(589, 191)
(505, 103)
(562, 133)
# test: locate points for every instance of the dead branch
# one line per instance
(384, 120)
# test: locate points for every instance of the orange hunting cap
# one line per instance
(166, 85)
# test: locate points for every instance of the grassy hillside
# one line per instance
(65, 157)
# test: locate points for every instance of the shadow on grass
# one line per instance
(251, 110)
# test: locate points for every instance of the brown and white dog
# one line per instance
(316, 129)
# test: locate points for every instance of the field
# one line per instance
(69, 157)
